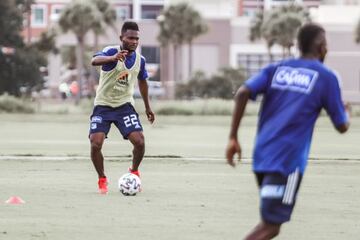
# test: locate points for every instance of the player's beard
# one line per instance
(323, 53)
(322, 58)
(128, 48)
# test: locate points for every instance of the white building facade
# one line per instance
(225, 44)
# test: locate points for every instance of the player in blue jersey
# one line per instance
(294, 92)
(121, 67)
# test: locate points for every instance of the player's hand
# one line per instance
(233, 147)
(347, 107)
(150, 115)
(120, 56)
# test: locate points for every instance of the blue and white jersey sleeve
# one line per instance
(129, 61)
(333, 103)
(143, 74)
(259, 83)
(108, 51)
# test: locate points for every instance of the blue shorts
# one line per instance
(277, 195)
(124, 117)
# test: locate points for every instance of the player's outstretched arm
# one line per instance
(101, 60)
(143, 87)
(344, 127)
(241, 98)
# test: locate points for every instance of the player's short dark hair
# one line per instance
(307, 36)
(129, 26)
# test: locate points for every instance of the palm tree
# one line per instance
(170, 34)
(279, 26)
(108, 16)
(46, 41)
(25, 6)
(255, 26)
(290, 19)
(180, 24)
(193, 26)
(259, 28)
(80, 17)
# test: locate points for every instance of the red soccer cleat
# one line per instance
(137, 173)
(103, 185)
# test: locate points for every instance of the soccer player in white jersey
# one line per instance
(121, 67)
(294, 92)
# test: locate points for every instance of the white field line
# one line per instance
(111, 158)
(153, 158)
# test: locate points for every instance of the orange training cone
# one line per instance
(15, 200)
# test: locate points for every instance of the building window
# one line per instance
(122, 12)
(56, 12)
(149, 2)
(38, 16)
(253, 63)
(250, 12)
(152, 54)
(151, 11)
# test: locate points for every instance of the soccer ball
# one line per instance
(129, 184)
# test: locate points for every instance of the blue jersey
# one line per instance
(129, 61)
(294, 92)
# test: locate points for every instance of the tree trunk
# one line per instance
(28, 26)
(96, 42)
(190, 59)
(270, 54)
(166, 70)
(93, 80)
(175, 64)
(180, 63)
(289, 51)
(284, 52)
(79, 66)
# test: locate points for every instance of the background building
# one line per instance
(225, 44)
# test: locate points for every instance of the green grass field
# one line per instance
(189, 193)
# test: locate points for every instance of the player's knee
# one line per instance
(96, 145)
(139, 142)
(273, 231)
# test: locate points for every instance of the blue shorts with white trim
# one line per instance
(278, 195)
(125, 118)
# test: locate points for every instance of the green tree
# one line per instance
(20, 68)
(25, 6)
(180, 24)
(221, 85)
(256, 25)
(108, 16)
(46, 42)
(10, 24)
(68, 56)
(194, 26)
(279, 26)
(81, 17)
